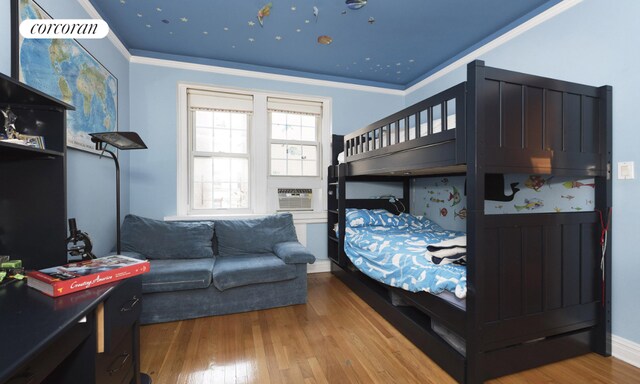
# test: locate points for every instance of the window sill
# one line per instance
(306, 217)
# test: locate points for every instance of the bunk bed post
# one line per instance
(461, 127)
(603, 204)
(475, 218)
(406, 194)
(342, 193)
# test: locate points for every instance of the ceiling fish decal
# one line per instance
(444, 212)
(264, 12)
(455, 196)
(537, 182)
(568, 197)
(315, 12)
(577, 184)
(355, 4)
(557, 209)
(530, 204)
(436, 200)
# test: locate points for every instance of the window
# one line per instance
(294, 137)
(237, 147)
(219, 127)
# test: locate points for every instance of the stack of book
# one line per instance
(74, 277)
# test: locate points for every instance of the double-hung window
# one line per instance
(219, 150)
(238, 148)
(294, 137)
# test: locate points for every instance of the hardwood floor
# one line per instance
(335, 338)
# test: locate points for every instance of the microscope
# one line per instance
(78, 243)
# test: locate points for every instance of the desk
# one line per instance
(56, 340)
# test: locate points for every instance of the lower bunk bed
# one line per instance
(537, 283)
(545, 310)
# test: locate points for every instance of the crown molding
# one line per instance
(90, 9)
(495, 43)
(261, 75)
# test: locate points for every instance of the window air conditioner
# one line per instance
(292, 199)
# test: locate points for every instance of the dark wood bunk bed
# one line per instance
(534, 286)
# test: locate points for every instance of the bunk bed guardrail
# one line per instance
(438, 120)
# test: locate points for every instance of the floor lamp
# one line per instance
(123, 141)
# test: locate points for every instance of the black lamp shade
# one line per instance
(120, 140)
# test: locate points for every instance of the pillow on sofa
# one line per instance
(242, 237)
(157, 239)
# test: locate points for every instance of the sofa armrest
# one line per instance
(292, 252)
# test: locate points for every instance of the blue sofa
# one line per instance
(217, 267)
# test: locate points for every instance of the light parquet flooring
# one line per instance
(334, 338)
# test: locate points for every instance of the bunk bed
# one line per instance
(536, 292)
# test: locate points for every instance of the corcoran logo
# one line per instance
(64, 29)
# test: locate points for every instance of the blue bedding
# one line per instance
(392, 249)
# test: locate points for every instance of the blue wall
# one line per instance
(596, 43)
(90, 180)
(5, 38)
(154, 116)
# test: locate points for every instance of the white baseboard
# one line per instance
(321, 265)
(625, 350)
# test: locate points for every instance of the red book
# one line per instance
(74, 277)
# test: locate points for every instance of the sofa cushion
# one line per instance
(237, 271)
(254, 236)
(177, 275)
(158, 240)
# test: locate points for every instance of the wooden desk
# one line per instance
(56, 340)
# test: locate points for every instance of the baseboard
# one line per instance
(321, 265)
(625, 350)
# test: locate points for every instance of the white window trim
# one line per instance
(261, 184)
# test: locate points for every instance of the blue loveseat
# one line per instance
(217, 267)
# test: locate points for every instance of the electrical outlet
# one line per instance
(625, 170)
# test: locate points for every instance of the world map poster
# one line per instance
(62, 68)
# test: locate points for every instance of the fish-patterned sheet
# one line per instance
(392, 249)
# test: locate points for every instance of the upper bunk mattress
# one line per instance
(398, 250)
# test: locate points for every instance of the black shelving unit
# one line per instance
(335, 213)
(33, 211)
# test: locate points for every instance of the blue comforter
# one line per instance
(393, 250)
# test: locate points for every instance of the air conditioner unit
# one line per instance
(295, 199)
